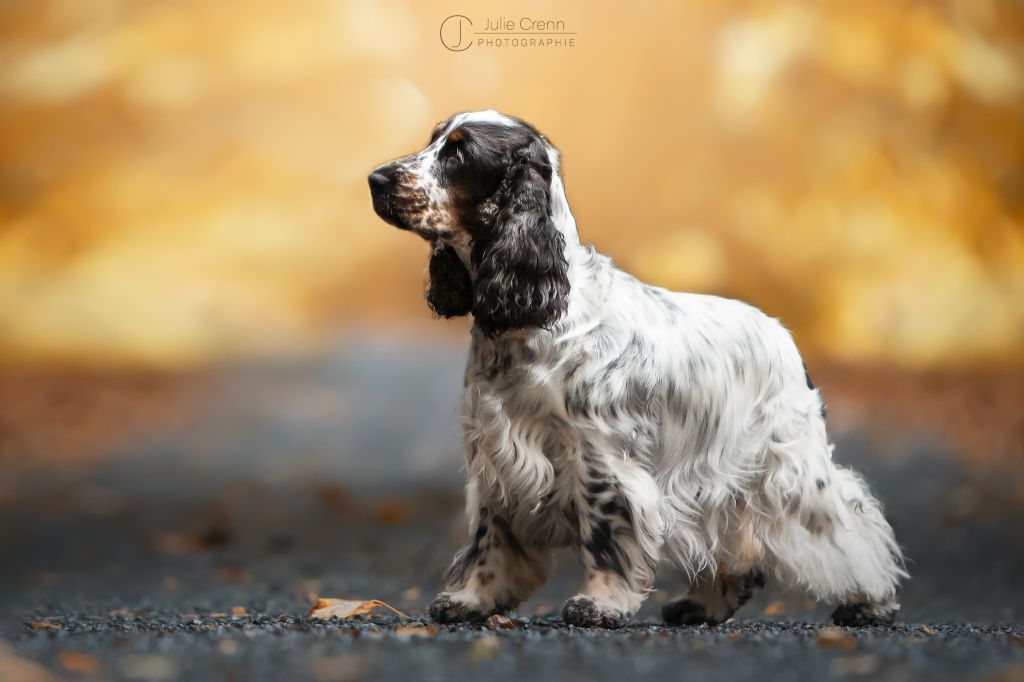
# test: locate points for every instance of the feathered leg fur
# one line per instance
(492, 574)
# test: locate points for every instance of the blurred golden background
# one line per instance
(220, 384)
(183, 182)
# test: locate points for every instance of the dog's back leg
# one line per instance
(713, 598)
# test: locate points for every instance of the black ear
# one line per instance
(449, 293)
(521, 272)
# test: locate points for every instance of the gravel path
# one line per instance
(194, 552)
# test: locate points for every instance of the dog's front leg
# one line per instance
(492, 574)
(619, 552)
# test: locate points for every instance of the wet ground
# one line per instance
(193, 549)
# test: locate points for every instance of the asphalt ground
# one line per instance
(194, 549)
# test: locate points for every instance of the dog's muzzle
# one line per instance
(383, 183)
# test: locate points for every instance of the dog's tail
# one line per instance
(830, 535)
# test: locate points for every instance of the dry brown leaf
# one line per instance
(391, 512)
(233, 574)
(174, 543)
(498, 622)
(239, 611)
(326, 607)
(41, 625)
(834, 638)
(79, 664)
(417, 630)
(776, 608)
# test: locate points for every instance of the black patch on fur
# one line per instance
(810, 385)
(470, 554)
(685, 612)
(510, 539)
(744, 586)
(861, 614)
(450, 291)
(605, 550)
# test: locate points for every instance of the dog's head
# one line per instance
(480, 192)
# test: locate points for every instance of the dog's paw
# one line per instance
(582, 611)
(446, 608)
(686, 612)
(860, 614)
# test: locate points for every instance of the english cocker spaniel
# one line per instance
(619, 418)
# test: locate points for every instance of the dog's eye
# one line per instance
(452, 153)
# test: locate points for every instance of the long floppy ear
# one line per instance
(521, 273)
(449, 293)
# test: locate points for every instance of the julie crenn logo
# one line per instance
(458, 33)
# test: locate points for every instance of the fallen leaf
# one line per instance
(239, 611)
(79, 664)
(233, 574)
(391, 512)
(336, 499)
(834, 638)
(928, 631)
(484, 648)
(417, 630)
(498, 622)
(174, 543)
(348, 608)
(42, 625)
(776, 608)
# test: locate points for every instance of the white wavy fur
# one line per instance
(719, 444)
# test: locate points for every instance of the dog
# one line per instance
(619, 418)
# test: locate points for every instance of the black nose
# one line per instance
(379, 181)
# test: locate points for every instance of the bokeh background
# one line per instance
(184, 182)
(198, 308)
